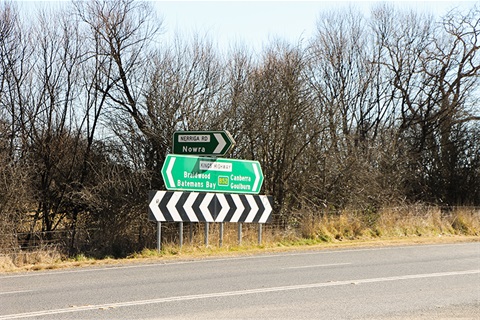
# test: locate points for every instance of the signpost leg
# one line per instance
(259, 233)
(180, 235)
(191, 233)
(159, 236)
(221, 234)
(206, 233)
(239, 233)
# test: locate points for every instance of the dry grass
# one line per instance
(31, 260)
(402, 225)
(391, 223)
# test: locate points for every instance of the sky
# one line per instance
(256, 23)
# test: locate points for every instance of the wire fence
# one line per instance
(59, 240)
(91, 240)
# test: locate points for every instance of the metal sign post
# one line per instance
(259, 234)
(159, 236)
(180, 231)
(240, 233)
(207, 227)
(220, 241)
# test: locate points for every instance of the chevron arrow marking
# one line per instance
(253, 208)
(225, 208)
(177, 206)
(238, 203)
(268, 210)
(171, 206)
(204, 207)
(157, 213)
(188, 206)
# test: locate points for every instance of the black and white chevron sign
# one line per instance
(208, 207)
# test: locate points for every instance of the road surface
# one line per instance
(407, 282)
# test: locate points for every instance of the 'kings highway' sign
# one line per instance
(202, 143)
(191, 173)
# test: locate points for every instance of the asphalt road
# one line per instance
(408, 282)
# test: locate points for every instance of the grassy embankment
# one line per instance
(404, 225)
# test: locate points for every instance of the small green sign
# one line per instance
(192, 173)
(202, 143)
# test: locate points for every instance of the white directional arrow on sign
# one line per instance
(257, 176)
(221, 143)
(169, 171)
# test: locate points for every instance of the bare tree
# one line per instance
(122, 31)
(435, 73)
(50, 125)
(277, 121)
(15, 173)
(185, 93)
(353, 100)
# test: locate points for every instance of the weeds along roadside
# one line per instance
(303, 229)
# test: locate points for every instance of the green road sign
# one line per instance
(202, 143)
(191, 173)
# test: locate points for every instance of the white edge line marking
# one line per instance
(320, 266)
(262, 256)
(234, 293)
(14, 292)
